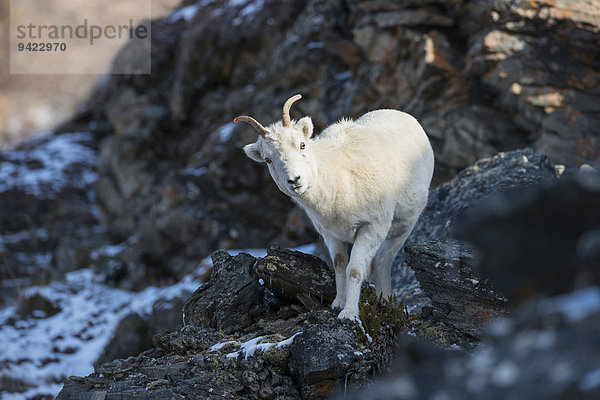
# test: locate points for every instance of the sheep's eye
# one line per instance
(302, 146)
(268, 160)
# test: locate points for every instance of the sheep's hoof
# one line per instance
(338, 304)
(348, 314)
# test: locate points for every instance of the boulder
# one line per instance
(296, 277)
(231, 300)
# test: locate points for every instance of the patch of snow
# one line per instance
(574, 306)
(261, 282)
(315, 45)
(218, 346)
(225, 132)
(109, 251)
(252, 346)
(187, 13)
(288, 341)
(51, 158)
(252, 8)
(342, 76)
(590, 381)
(206, 263)
(44, 351)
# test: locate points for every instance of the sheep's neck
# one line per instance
(322, 193)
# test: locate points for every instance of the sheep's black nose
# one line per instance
(295, 180)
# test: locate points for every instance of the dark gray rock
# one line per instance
(461, 301)
(286, 353)
(231, 300)
(134, 333)
(448, 202)
(325, 357)
(296, 277)
(188, 340)
(551, 231)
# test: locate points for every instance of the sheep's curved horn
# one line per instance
(286, 109)
(262, 131)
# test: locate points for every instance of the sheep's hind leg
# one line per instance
(368, 240)
(402, 224)
(338, 251)
(382, 265)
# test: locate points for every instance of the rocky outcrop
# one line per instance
(448, 202)
(435, 273)
(235, 311)
(546, 350)
(235, 346)
(297, 277)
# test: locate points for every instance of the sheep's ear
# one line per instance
(252, 150)
(307, 127)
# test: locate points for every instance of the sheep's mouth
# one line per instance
(297, 190)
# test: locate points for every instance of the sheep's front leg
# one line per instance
(368, 240)
(338, 251)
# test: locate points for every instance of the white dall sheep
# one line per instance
(362, 182)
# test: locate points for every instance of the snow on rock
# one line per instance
(57, 161)
(252, 346)
(206, 263)
(574, 306)
(43, 352)
(250, 9)
(186, 13)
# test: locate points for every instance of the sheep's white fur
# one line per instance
(362, 182)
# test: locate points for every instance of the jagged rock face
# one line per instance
(446, 207)
(297, 277)
(461, 301)
(481, 77)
